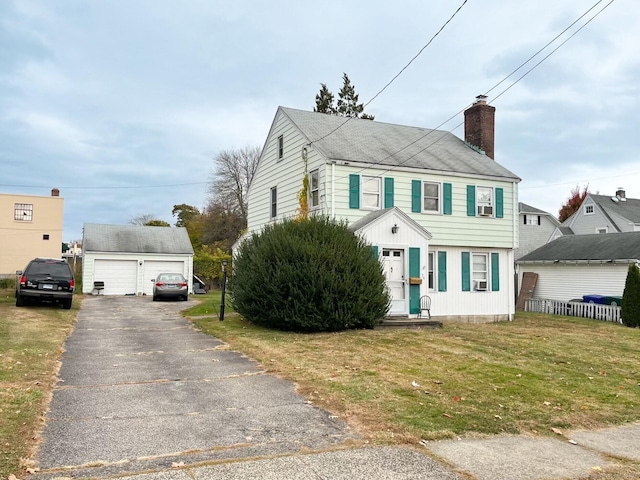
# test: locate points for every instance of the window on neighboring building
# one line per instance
(280, 147)
(370, 192)
(602, 230)
(314, 189)
(480, 271)
(23, 212)
(484, 201)
(588, 210)
(532, 219)
(431, 260)
(274, 202)
(45, 236)
(431, 197)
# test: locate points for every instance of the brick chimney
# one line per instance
(55, 192)
(479, 122)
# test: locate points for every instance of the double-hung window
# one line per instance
(23, 212)
(431, 197)
(480, 271)
(274, 202)
(484, 201)
(370, 193)
(314, 189)
(280, 147)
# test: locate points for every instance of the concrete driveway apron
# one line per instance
(140, 388)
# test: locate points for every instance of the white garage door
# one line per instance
(119, 276)
(153, 267)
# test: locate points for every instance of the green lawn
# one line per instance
(527, 376)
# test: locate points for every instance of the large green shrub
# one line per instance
(631, 298)
(308, 275)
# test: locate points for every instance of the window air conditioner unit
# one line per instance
(480, 285)
(485, 210)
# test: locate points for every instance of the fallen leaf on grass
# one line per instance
(33, 470)
(414, 384)
(446, 415)
(557, 431)
(546, 404)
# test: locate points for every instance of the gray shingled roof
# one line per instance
(595, 247)
(524, 208)
(136, 239)
(629, 209)
(387, 144)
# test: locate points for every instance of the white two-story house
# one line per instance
(439, 212)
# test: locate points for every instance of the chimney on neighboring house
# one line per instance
(621, 194)
(479, 122)
(55, 192)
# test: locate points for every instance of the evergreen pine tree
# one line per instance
(324, 101)
(347, 106)
(631, 298)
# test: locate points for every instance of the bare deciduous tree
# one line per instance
(232, 175)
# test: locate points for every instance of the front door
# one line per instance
(393, 264)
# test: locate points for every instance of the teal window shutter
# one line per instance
(442, 271)
(414, 271)
(466, 272)
(499, 202)
(416, 196)
(354, 191)
(447, 201)
(471, 200)
(388, 192)
(374, 251)
(495, 272)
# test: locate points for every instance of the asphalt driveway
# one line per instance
(139, 388)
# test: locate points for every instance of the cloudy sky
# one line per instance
(123, 104)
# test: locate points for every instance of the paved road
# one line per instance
(140, 390)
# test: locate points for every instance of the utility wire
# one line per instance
(397, 75)
(391, 168)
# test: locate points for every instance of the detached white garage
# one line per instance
(127, 257)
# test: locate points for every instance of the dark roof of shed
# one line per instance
(358, 140)
(136, 239)
(607, 246)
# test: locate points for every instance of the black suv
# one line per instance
(48, 279)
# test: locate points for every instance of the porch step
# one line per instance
(403, 321)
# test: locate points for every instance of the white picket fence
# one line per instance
(607, 313)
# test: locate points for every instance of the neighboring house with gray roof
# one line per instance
(127, 257)
(605, 214)
(576, 265)
(440, 212)
(536, 228)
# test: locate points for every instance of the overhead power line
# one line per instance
(391, 168)
(398, 74)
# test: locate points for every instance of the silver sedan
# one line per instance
(170, 285)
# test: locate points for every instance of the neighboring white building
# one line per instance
(576, 265)
(127, 257)
(441, 214)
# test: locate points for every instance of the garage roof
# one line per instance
(135, 239)
(594, 247)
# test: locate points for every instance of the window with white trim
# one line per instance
(588, 210)
(274, 202)
(602, 230)
(280, 147)
(370, 193)
(431, 197)
(532, 219)
(484, 201)
(23, 212)
(480, 271)
(431, 269)
(314, 189)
